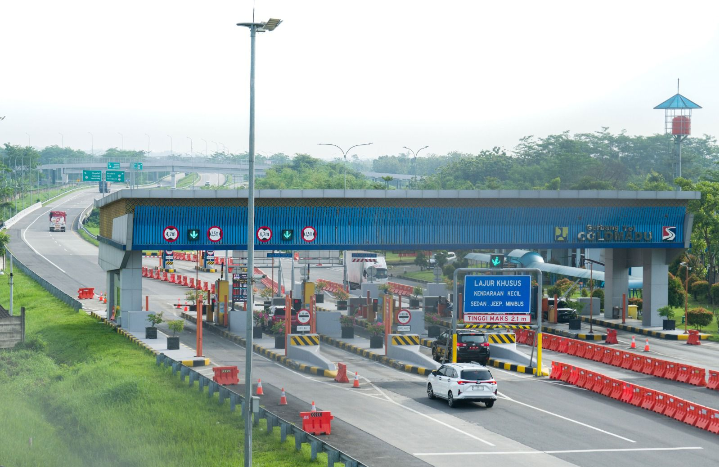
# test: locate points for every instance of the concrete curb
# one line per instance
(313, 370)
(196, 362)
(418, 370)
(575, 335)
(646, 332)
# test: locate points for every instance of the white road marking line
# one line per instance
(570, 420)
(33, 248)
(569, 451)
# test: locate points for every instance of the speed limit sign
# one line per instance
(404, 316)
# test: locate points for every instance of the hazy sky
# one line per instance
(454, 75)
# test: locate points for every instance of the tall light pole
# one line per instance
(344, 154)
(205, 146)
(62, 140)
(686, 294)
(270, 25)
(192, 156)
(122, 141)
(415, 154)
(170, 144)
(92, 143)
(148, 144)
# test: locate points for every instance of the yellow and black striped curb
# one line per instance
(122, 332)
(504, 338)
(197, 362)
(448, 324)
(405, 340)
(313, 370)
(376, 357)
(167, 270)
(646, 332)
(305, 340)
(575, 335)
(514, 367)
(206, 269)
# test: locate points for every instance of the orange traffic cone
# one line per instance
(355, 384)
(314, 409)
(646, 345)
(634, 344)
(100, 298)
(104, 299)
(185, 308)
(260, 392)
(283, 398)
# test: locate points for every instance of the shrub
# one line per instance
(320, 286)
(585, 292)
(699, 317)
(347, 321)
(176, 326)
(278, 327)
(417, 292)
(155, 318)
(266, 292)
(600, 293)
(341, 295)
(700, 290)
(259, 317)
(666, 311)
(638, 302)
(692, 279)
(714, 290)
(675, 292)
(376, 329)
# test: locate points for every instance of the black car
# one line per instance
(472, 346)
(564, 311)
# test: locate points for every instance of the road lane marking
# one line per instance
(568, 451)
(569, 419)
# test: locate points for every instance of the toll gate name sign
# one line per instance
(497, 299)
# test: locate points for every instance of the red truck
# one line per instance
(57, 221)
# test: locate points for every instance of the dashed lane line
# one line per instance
(568, 451)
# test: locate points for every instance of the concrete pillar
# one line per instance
(616, 278)
(655, 284)
(173, 182)
(130, 282)
(110, 282)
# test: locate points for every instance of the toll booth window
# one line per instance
(476, 375)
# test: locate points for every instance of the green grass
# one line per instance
(89, 397)
(421, 275)
(28, 199)
(187, 181)
(88, 238)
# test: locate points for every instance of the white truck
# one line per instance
(57, 221)
(365, 269)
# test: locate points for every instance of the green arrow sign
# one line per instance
(113, 165)
(287, 234)
(91, 175)
(115, 176)
(496, 261)
(137, 166)
(193, 234)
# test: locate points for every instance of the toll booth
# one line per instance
(222, 298)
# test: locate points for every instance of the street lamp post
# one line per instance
(344, 154)
(62, 140)
(415, 154)
(92, 143)
(270, 25)
(192, 156)
(686, 294)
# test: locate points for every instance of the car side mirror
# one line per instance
(435, 372)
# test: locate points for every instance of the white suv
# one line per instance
(462, 381)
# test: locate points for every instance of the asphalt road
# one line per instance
(389, 421)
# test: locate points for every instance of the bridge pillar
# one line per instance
(616, 278)
(656, 281)
(173, 181)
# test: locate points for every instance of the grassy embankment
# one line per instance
(28, 199)
(86, 396)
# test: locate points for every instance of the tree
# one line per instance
(387, 179)
(421, 260)
(675, 292)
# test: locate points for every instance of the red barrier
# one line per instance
(546, 342)
(616, 389)
(681, 409)
(637, 396)
(648, 399)
(574, 376)
(598, 383)
(226, 375)
(685, 371)
(172, 278)
(660, 402)
(627, 360)
(617, 357)
(660, 367)
(627, 393)
(611, 337)
(607, 386)
(164, 276)
(713, 382)
(698, 377)
(582, 378)
(572, 347)
(212, 289)
(144, 271)
(671, 407)
(563, 345)
(598, 353)
(554, 343)
(714, 423)
(556, 370)
(703, 417)
(191, 284)
(85, 293)
(587, 352)
(692, 414)
(157, 274)
(566, 372)
(693, 337)
(317, 423)
(637, 363)
(530, 338)
(671, 370)
(341, 376)
(648, 365)
(608, 356)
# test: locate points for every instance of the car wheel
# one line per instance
(450, 400)
(484, 362)
(489, 404)
(430, 391)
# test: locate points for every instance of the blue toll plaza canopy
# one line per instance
(678, 101)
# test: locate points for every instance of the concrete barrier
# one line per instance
(306, 348)
(134, 321)
(405, 348)
(328, 323)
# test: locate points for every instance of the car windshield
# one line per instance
(476, 375)
(473, 338)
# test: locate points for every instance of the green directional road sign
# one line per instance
(193, 234)
(113, 165)
(496, 261)
(137, 166)
(91, 175)
(115, 176)
(287, 235)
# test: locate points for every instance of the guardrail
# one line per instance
(286, 428)
(81, 221)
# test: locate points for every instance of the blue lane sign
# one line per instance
(489, 298)
(279, 255)
(364, 255)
